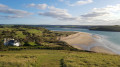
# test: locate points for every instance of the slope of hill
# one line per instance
(57, 58)
(33, 37)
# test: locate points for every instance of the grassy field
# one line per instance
(57, 58)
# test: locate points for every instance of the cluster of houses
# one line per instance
(11, 42)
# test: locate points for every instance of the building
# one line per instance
(11, 42)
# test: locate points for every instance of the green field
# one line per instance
(57, 58)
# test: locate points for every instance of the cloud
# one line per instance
(12, 13)
(105, 14)
(81, 2)
(10, 16)
(58, 13)
(108, 8)
(38, 6)
(3, 6)
(61, 0)
(95, 14)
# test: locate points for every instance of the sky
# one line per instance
(60, 12)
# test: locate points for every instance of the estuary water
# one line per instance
(110, 40)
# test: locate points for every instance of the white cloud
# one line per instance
(61, 0)
(10, 16)
(58, 13)
(12, 13)
(81, 2)
(106, 15)
(95, 14)
(3, 6)
(38, 6)
(102, 15)
(108, 8)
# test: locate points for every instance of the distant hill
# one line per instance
(63, 26)
(115, 28)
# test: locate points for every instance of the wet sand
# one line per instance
(85, 41)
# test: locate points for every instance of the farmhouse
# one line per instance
(11, 42)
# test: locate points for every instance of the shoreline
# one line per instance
(85, 41)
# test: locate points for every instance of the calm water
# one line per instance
(111, 39)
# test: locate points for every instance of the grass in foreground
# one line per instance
(57, 58)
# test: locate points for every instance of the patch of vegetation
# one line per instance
(56, 58)
(64, 33)
(20, 34)
(34, 31)
(84, 59)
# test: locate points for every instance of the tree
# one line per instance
(26, 44)
(1, 44)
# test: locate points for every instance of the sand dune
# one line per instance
(85, 41)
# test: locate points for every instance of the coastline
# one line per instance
(86, 41)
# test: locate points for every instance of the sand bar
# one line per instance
(84, 41)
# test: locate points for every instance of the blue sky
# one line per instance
(63, 12)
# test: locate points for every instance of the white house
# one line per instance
(16, 44)
(11, 42)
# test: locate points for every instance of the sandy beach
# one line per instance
(85, 41)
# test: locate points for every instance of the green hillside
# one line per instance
(33, 37)
(57, 58)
